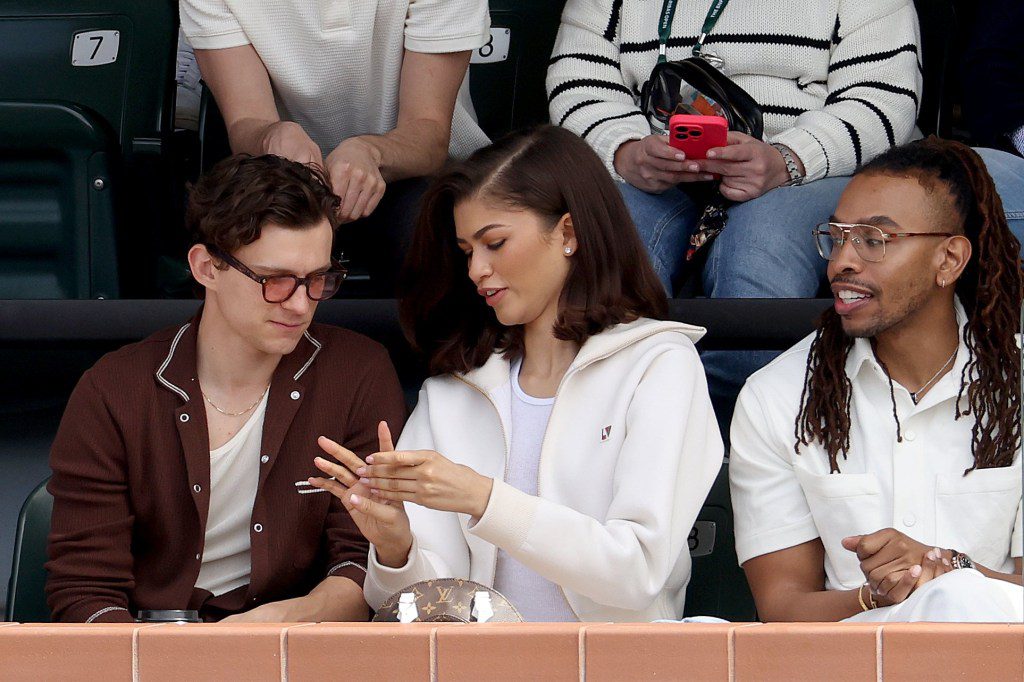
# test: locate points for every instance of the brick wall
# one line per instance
(511, 652)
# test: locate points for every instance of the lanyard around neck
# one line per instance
(668, 12)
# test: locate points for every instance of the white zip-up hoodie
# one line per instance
(630, 452)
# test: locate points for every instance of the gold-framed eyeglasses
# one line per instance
(869, 241)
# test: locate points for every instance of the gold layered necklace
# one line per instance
(236, 414)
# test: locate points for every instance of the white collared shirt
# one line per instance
(781, 499)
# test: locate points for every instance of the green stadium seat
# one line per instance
(109, 66)
(506, 76)
(26, 594)
(718, 586)
(56, 206)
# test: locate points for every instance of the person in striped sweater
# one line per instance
(839, 82)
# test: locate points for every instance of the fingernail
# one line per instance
(360, 471)
(711, 155)
(933, 555)
(945, 562)
(693, 168)
(707, 176)
(915, 571)
(355, 499)
(364, 481)
(369, 460)
(681, 157)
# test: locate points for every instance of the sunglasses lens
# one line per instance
(326, 285)
(278, 289)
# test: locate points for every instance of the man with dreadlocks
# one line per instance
(882, 453)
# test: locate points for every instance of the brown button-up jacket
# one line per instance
(131, 477)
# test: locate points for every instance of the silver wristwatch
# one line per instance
(960, 560)
(795, 176)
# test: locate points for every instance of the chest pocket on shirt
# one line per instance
(335, 15)
(978, 511)
(843, 505)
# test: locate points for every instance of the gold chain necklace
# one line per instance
(236, 414)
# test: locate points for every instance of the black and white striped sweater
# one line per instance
(839, 80)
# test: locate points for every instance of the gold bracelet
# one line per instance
(860, 598)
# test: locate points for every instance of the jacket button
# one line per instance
(183, 418)
(295, 395)
(198, 488)
(199, 557)
(265, 458)
(258, 527)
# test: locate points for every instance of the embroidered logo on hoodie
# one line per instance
(606, 433)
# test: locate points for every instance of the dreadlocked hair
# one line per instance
(990, 289)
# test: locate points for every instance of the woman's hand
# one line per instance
(748, 166)
(384, 524)
(651, 164)
(426, 478)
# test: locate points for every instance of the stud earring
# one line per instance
(568, 250)
(942, 283)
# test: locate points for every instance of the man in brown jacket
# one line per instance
(180, 467)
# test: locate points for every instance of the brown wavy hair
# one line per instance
(551, 172)
(229, 205)
(991, 289)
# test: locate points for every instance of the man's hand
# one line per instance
(748, 166)
(272, 612)
(652, 165)
(355, 175)
(897, 586)
(336, 598)
(289, 140)
(886, 555)
(384, 524)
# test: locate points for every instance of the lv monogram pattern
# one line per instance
(448, 599)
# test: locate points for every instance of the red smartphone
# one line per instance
(694, 135)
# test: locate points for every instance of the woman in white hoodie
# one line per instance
(565, 443)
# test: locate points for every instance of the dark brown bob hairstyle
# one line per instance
(549, 171)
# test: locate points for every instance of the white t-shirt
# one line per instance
(335, 65)
(536, 598)
(234, 477)
(781, 499)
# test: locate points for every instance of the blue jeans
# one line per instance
(767, 251)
